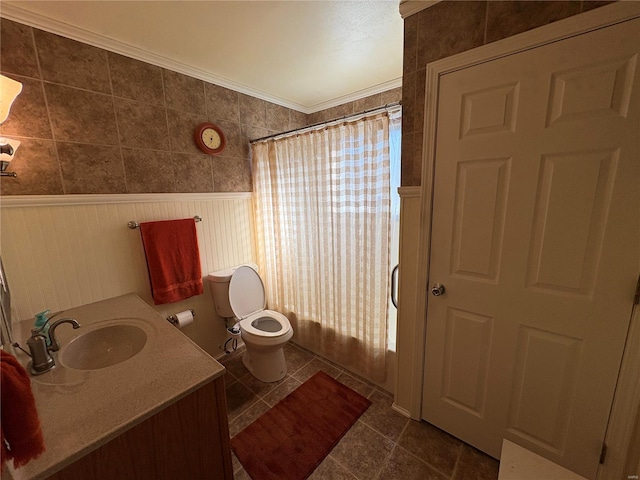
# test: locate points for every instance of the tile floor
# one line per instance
(382, 444)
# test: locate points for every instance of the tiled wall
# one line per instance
(451, 27)
(357, 106)
(93, 121)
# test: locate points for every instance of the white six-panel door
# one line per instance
(535, 237)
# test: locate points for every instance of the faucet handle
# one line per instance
(41, 361)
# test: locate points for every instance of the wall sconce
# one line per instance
(9, 91)
(8, 147)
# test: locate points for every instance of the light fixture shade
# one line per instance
(9, 90)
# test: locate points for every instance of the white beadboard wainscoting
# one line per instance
(67, 250)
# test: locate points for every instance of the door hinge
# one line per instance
(603, 452)
(636, 298)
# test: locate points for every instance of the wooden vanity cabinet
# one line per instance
(188, 439)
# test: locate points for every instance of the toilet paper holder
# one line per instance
(174, 320)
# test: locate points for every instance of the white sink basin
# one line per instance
(104, 346)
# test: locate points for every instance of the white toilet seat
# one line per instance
(249, 325)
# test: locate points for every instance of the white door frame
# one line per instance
(627, 396)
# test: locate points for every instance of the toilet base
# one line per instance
(265, 366)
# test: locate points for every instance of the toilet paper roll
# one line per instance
(183, 319)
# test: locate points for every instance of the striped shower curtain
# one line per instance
(322, 201)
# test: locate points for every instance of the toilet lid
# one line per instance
(246, 292)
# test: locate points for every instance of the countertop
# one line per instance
(81, 410)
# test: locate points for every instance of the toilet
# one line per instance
(239, 293)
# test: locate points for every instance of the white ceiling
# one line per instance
(307, 55)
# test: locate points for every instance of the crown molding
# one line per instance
(14, 12)
(411, 7)
(18, 201)
(381, 87)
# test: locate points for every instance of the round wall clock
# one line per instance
(209, 138)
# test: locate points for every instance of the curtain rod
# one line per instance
(319, 125)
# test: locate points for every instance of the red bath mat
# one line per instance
(290, 440)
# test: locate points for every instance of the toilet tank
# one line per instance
(219, 281)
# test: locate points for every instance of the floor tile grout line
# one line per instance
(415, 456)
(455, 466)
(347, 469)
(382, 433)
(245, 410)
(425, 463)
(386, 460)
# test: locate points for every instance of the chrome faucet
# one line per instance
(41, 359)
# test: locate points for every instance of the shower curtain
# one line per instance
(322, 203)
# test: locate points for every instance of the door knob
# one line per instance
(437, 290)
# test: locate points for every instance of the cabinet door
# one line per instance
(188, 439)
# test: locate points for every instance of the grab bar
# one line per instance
(394, 294)
(133, 225)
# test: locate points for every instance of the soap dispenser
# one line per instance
(42, 327)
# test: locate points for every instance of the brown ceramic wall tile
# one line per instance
(421, 91)
(339, 111)
(277, 117)
(356, 106)
(236, 143)
(193, 172)
(591, 4)
(91, 168)
(297, 119)
(331, 113)
(253, 133)
(181, 128)
(316, 117)
(141, 125)
(17, 52)
(253, 111)
(367, 103)
(231, 174)
(81, 116)
(410, 54)
(451, 27)
(409, 105)
(510, 17)
(37, 167)
(145, 110)
(28, 116)
(72, 63)
(406, 163)
(418, 140)
(148, 171)
(222, 103)
(136, 80)
(448, 28)
(391, 96)
(183, 92)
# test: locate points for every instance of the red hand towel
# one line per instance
(20, 430)
(173, 258)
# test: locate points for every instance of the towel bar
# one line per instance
(133, 225)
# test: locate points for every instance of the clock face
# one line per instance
(211, 138)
